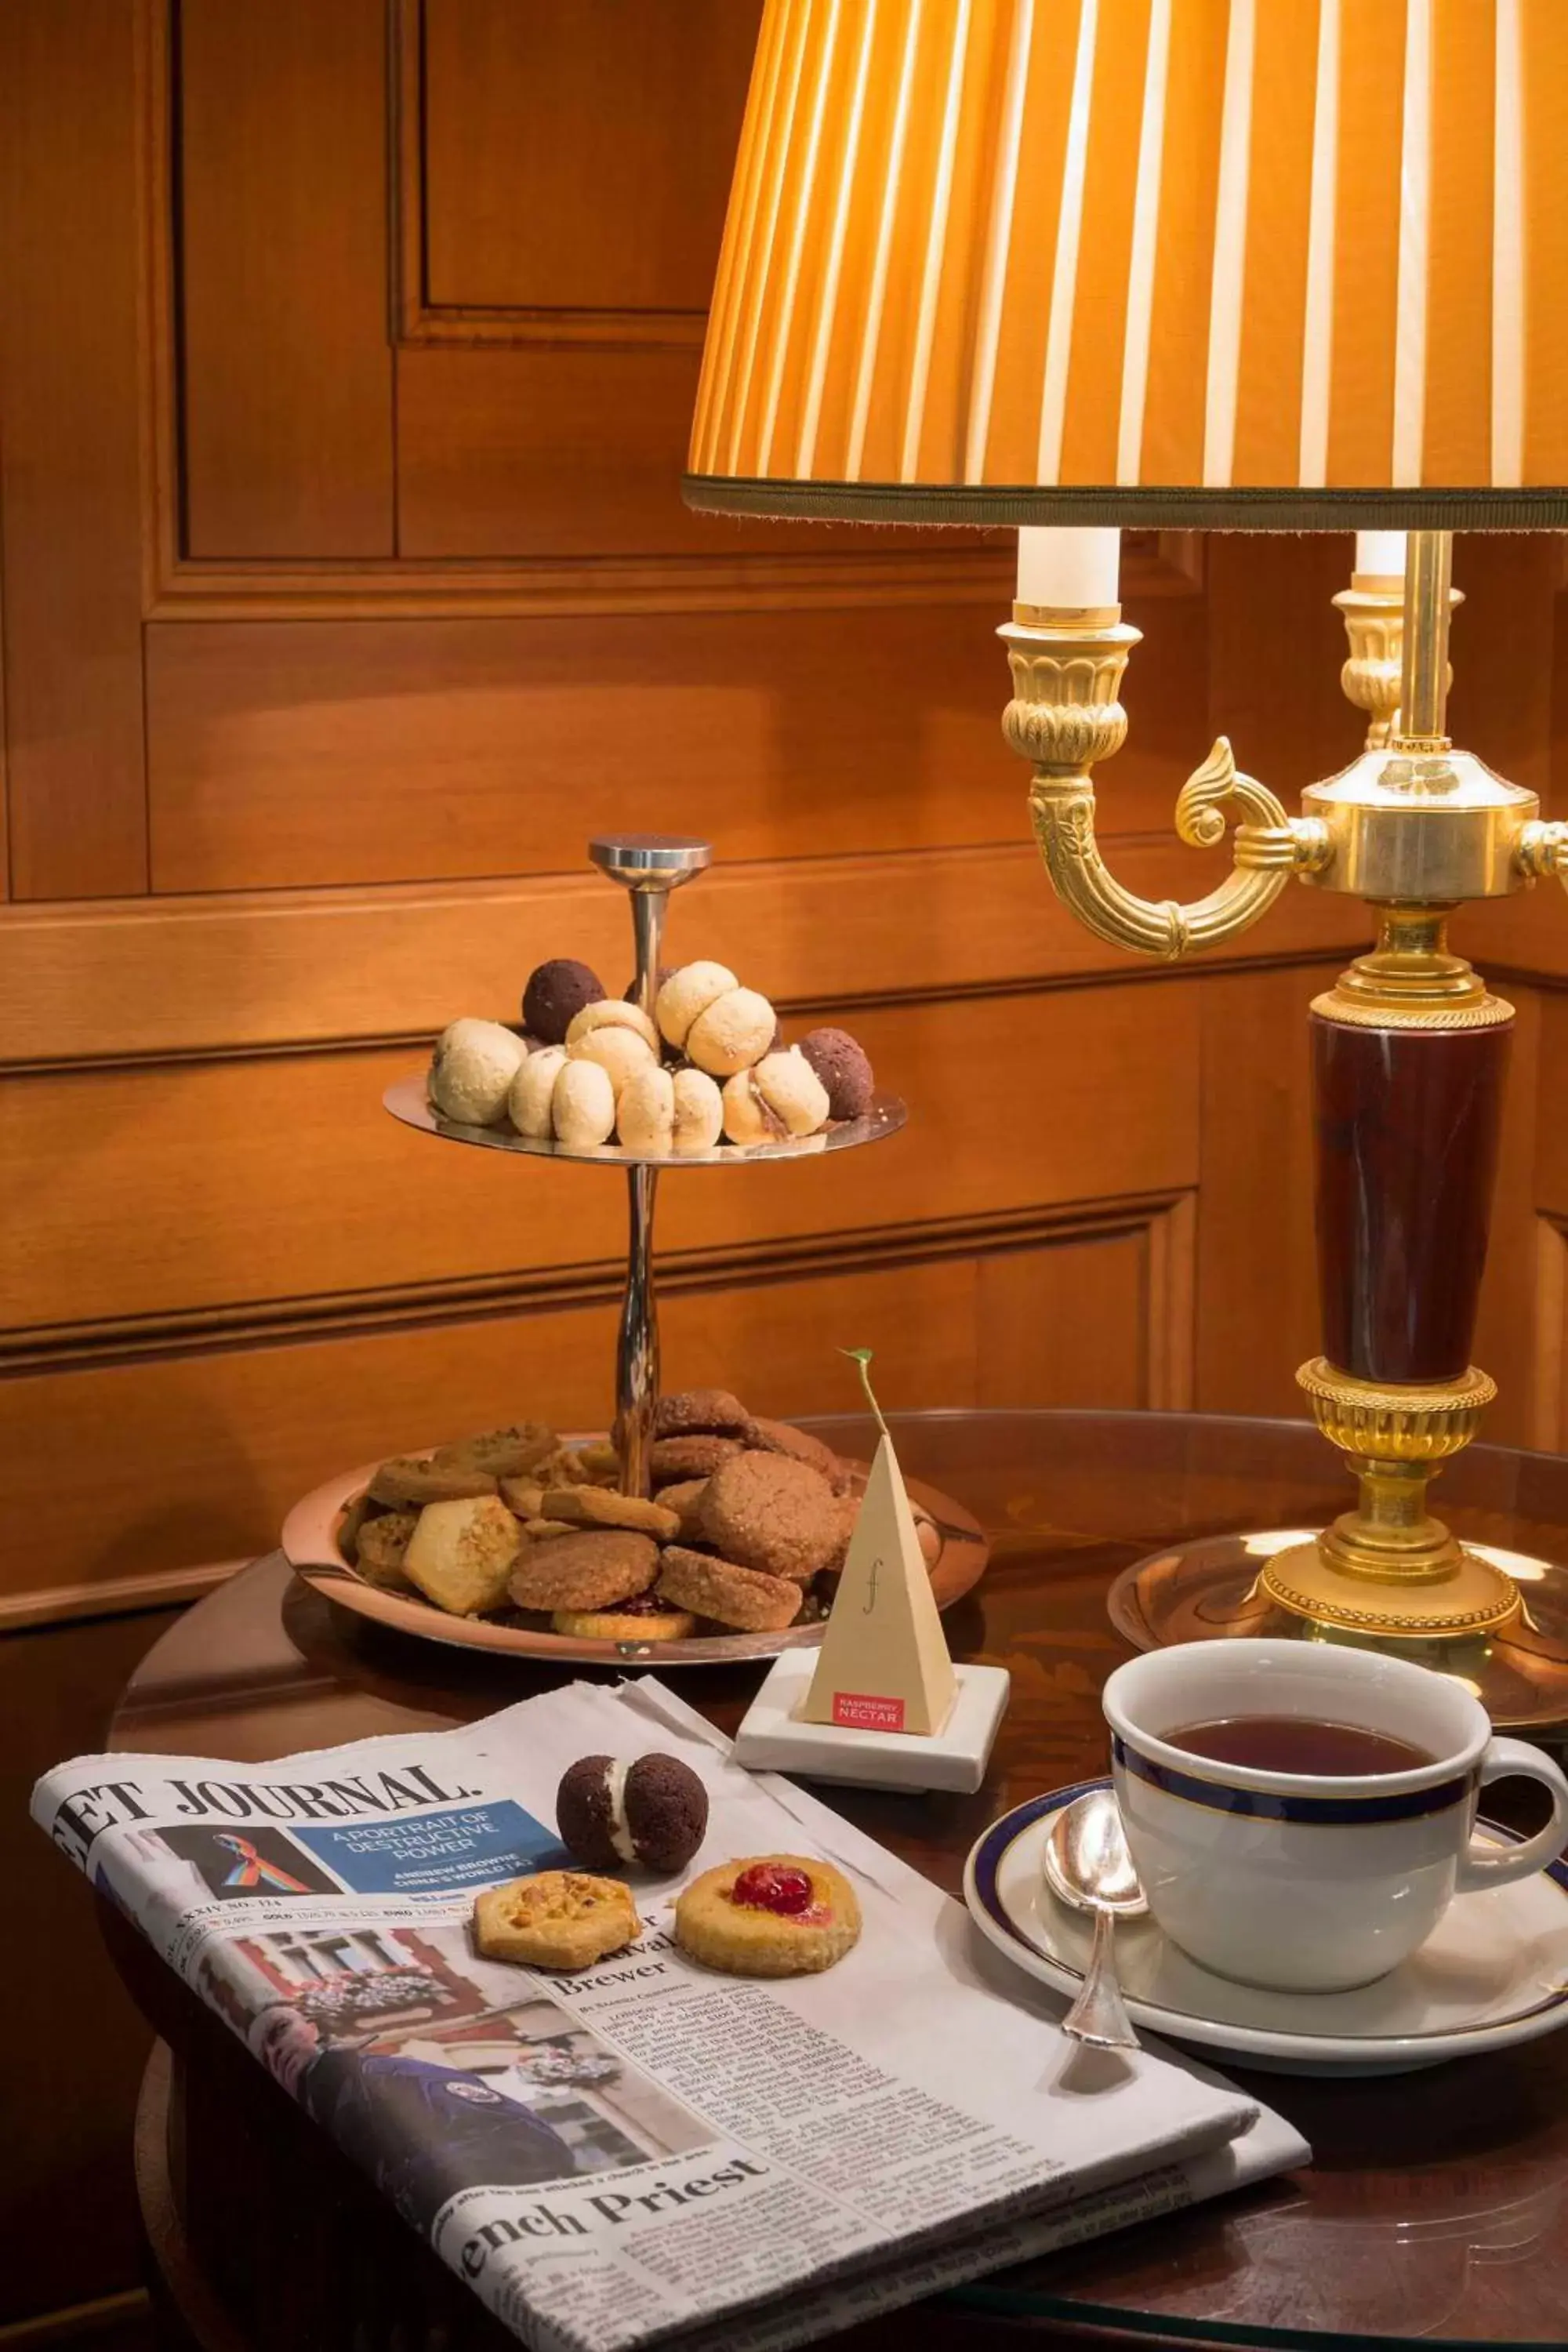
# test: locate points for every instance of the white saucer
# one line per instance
(1496, 1971)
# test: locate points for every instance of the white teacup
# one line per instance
(1303, 1882)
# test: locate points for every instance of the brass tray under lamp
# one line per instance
(1207, 1587)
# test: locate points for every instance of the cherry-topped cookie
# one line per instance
(778, 1915)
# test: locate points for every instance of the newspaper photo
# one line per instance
(642, 2148)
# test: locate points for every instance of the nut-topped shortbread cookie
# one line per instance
(557, 1920)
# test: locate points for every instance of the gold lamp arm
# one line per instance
(1064, 716)
(1543, 851)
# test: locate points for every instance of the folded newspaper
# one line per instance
(639, 2149)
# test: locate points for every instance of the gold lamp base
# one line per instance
(1388, 1570)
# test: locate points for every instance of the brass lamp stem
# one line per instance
(1424, 669)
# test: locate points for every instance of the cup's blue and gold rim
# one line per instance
(1360, 1812)
(982, 1885)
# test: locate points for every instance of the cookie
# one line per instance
(762, 1436)
(417, 1479)
(686, 994)
(537, 1530)
(706, 1412)
(614, 1815)
(601, 1507)
(499, 1453)
(736, 1030)
(599, 1464)
(583, 1105)
(382, 1546)
(592, 1569)
(460, 1554)
(473, 1069)
(677, 1459)
(620, 1053)
(683, 1500)
(698, 1110)
(646, 1619)
(730, 1595)
(556, 1919)
(528, 1105)
(773, 1514)
(524, 1496)
(644, 1110)
(613, 1012)
(844, 1068)
(782, 1914)
(555, 994)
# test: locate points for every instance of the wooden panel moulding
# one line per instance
(283, 277)
(197, 1458)
(293, 754)
(606, 214)
(71, 458)
(284, 1181)
(243, 971)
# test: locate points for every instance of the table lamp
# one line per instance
(1254, 264)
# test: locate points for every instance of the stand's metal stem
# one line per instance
(648, 867)
(1423, 684)
(637, 1354)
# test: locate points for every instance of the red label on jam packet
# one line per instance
(854, 1711)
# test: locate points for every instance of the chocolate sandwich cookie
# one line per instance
(592, 1570)
(673, 1459)
(773, 1514)
(555, 994)
(722, 1590)
(614, 1815)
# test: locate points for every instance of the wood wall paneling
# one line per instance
(285, 440)
(239, 970)
(198, 1456)
(288, 753)
(71, 483)
(282, 1179)
(608, 194)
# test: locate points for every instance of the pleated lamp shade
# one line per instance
(1276, 263)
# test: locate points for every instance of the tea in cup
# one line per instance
(1302, 1815)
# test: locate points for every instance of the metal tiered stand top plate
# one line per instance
(406, 1100)
(648, 867)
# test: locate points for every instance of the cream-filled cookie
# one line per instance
(621, 1052)
(528, 1103)
(613, 1012)
(687, 993)
(736, 1030)
(582, 1105)
(645, 1108)
(791, 1090)
(749, 1118)
(699, 1111)
(473, 1069)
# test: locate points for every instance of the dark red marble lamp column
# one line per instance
(1407, 1126)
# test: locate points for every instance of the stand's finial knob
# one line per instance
(649, 861)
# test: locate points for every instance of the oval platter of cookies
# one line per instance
(518, 1541)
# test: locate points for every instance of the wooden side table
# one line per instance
(1436, 2209)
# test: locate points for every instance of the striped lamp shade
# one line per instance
(1258, 262)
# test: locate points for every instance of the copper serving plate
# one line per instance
(312, 1547)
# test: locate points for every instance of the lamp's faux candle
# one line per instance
(1069, 568)
(1381, 554)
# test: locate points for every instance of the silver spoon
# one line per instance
(1088, 1867)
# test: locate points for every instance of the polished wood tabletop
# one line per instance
(1436, 2203)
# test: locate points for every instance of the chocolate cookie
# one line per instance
(708, 1412)
(772, 1514)
(680, 1458)
(594, 1569)
(762, 1436)
(613, 1815)
(555, 994)
(598, 1507)
(728, 1594)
